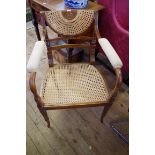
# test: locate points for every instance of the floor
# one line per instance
(76, 131)
(29, 25)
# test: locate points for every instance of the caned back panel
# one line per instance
(69, 22)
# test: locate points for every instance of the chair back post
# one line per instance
(93, 47)
(45, 34)
(96, 26)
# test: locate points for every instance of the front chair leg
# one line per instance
(45, 115)
(104, 112)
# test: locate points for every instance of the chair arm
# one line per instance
(107, 47)
(34, 90)
(113, 58)
(117, 83)
(110, 53)
(116, 63)
(36, 55)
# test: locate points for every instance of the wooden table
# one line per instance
(43, 5)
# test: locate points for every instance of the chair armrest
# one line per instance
(107, 47)
(36, 55)
(110, 53)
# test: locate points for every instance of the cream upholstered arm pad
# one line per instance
(110, 53)
(35, 57)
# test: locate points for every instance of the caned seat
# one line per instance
(72, 84)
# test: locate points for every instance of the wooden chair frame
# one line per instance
(40, 104)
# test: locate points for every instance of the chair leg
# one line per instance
(104, 112)
(45, 115)
(43, 112)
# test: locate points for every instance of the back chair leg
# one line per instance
(104, 112)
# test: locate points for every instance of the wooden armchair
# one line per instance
(72, 85)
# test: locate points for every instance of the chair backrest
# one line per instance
(75, 28)
(69, 22)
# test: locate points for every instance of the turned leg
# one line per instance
(37, 98)
(43, 112)
(45, 115)
(104, 112)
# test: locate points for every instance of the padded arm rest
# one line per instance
(110, 53)
(35, 57)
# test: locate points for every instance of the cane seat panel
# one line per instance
(73, 84)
